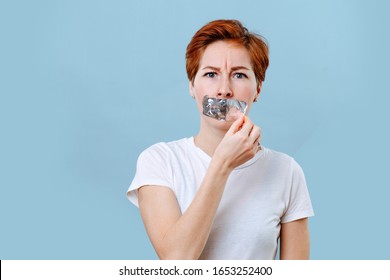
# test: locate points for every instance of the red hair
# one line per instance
(229, 30)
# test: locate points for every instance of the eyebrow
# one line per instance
(235, 68)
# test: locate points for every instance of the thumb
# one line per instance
(236, 125)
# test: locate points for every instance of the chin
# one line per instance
(218, 124)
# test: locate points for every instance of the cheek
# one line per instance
(202, 89)
(198, 94)
(245, 92)
(204, 86)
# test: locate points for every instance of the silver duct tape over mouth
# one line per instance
(223, 109)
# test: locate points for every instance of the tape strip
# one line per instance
(223, 109)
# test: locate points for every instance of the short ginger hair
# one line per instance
(231, 31)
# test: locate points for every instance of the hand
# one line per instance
(240, 144)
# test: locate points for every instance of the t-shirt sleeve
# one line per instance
(299, 204)
(152, 169)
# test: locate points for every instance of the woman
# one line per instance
(220, 194)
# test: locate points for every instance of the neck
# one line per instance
(209, 137)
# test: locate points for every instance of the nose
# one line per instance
(224, 90)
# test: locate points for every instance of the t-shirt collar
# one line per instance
(205, 157)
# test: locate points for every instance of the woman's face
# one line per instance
(225, 71)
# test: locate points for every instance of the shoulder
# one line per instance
(282, 163)
(279, 158)
(165, 149)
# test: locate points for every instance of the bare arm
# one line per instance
(176, 236)
(295, 240)
(183, 236)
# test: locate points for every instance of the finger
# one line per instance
(257, 144)
(255, 133)
(258, 141)
(247, 127)
(236, 125)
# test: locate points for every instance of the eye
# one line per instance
(240, 75)
(210, 74)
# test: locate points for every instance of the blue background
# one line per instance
(87, 85)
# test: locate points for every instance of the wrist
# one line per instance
(220, 165)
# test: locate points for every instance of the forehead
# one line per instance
(225, 53)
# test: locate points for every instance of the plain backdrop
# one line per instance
(87, 85)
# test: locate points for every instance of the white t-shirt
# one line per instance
(259, 195)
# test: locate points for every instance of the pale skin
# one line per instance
(225, 71)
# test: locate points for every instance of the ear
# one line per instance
(258, 90)
(259, 87)
(192, 89)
